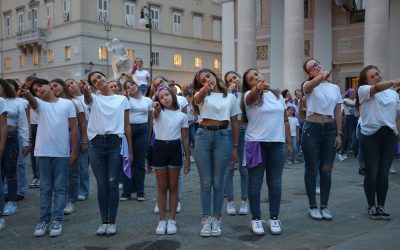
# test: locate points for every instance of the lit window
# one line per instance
(21, 60)
(35, 57)
(155, 58)
(130, 14)
(50, 56)
(7, 63)
(198, 62)
(217, 64)
(67, 53)
(131, 54)
(102, 53)
(177, 60)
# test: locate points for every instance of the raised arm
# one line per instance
(30, 98)
(381, 86)
(87, 93)
(255, 92)
(310, 85)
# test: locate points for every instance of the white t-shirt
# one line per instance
(140, 77)
(182, 102)
(168, 124)
(81, 98)
(52, 139)
(16, 117)
(379, 110)
(293, 123)
(266, 120)
(323, 99)
(349, 110)
(219, 108)
(2, 106)
(107, 115)
(34, 118)
(238, 100)
(139, 112)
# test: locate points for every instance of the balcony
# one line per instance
(357, 16)
(29, 39)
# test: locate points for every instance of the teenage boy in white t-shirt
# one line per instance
(57, 119)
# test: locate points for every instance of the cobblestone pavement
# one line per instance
(350, 228)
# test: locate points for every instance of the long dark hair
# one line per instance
(92, 73)
(64, 86)
(226, 81)
(196, 86)
(8, 90)
(175, 104)
(305, 67)
(362, 80)
(247, 87)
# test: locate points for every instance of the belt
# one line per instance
(213, 127)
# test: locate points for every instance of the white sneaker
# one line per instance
(179, 207)
(69, 208)
(275, 226)
(339, 157)
(2, 224)
(244, 209)
(41, 229)
(111, 229)
(345, 157)
(206, 227)
(315, 213)
(120, 186)
(82, 198)
(192, 159)
(161, 227)
(216, 227)
(256, 227)
(101, 230)
(33, 184)
(10, 208)
(171, 227)
(392, 170)
(56, 228)
(326, 215)
(156, 209)
(317, 190)
(230, 208)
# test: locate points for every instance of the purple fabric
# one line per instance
(126, 161)
(253, 154)
(348, 92)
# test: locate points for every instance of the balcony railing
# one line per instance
(31, 36)
(357, 16)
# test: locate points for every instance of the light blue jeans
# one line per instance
(83, 166)
(53, 179)
(21, 172)
(212, 152)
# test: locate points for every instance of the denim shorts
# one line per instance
(167, 154)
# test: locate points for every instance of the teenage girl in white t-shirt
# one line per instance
(141, 76)
(171, 125)
(108, 122)
(3, 139)
(322, 135)
(380, 107)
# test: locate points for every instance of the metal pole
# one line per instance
(107, 57)
(151, 41)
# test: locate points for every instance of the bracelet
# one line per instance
(84, 142)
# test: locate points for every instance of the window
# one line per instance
(33, 17)
(7, 63)
(155, 18)
(130, 14)
(217, 64)
(216, 1)
(155, 58)
(198, 62)
(20, 21)
(103, 53)
(66, 9)
(359, 4)
(262, 53)
(197, 26)
(131, 54)
(49, 14)
(258, 12)
(176, 23)
(21, 60)
(102, 10)
(35, 57)
(67, 53)
(177, 60)
(7, 23)
(217, 29)
(50, 56)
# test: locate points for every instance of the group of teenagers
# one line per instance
(115, 125)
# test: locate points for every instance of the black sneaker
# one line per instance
(373, 214)
(361, 171)
(140, 197)
(20, 197)
(382, 212)
(125, 197)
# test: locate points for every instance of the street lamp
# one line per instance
(148, 25)
(107, 28)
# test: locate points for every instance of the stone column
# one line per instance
(323, 33)
(246, 35)
(276, 48)
(293, 44)
(228, 36)
(394, 40)
(376, 35)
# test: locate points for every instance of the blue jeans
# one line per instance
(212, 152)
(143, 89)
(106, 161)
(140, 136)
(349, 132)
(318, 141)
(35, 170)
(9, 162)
(244, 177)
(84, 182)
(21, 172)
(53, 179)
(192, 134)
(1, 194)
(73, 182)
(378, 150)
(273, 159)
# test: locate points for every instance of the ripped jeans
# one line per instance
(319, 153)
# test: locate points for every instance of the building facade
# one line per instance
(344, 35)
(67, 38)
